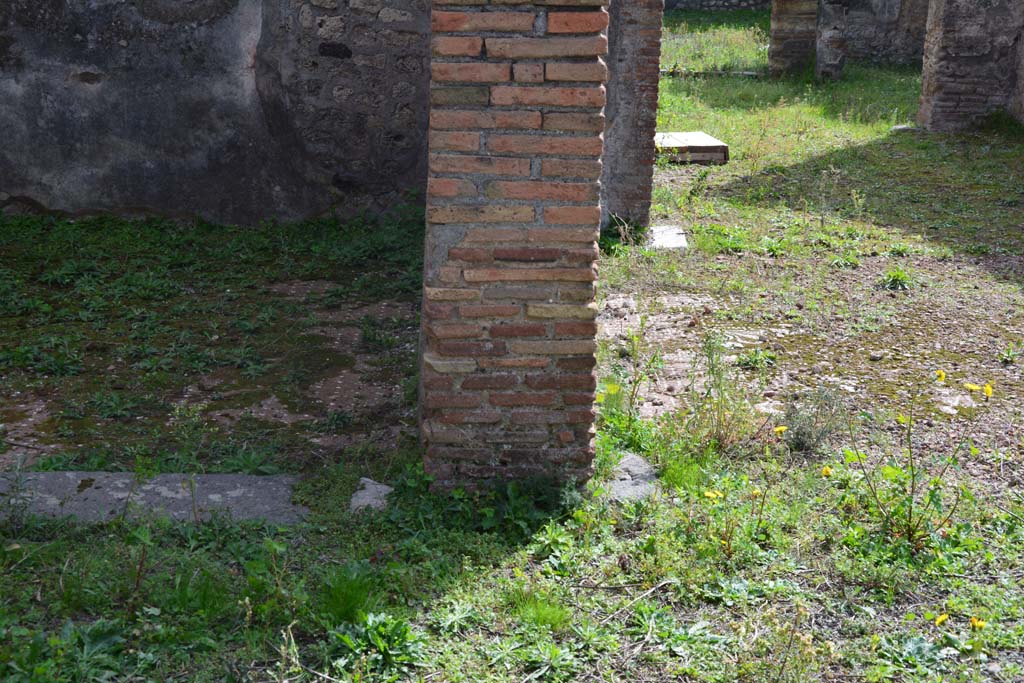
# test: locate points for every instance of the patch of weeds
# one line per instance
(1011, 353)
(348, 595)
(845, 261)
(811, 422)
(896, 280)
(336, 422)
(247, 458)
(620, 234)
(379, 335)
(539, 609)
(899, 250)
(376, 644)
(757, 359)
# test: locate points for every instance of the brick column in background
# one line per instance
(507, 376)
(793, 38)
(634, 62)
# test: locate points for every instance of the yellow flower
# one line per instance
(826, 471)
(599, 398)
(612, 389)
(941, 619)
(781, 429)
(978, 624)
(714, 495)
(940, 375)
(988, 391)
(971, 387)
(755, 494)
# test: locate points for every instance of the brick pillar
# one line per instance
(634, 61)
(972, 53)
(507, 377)
(794, 29)
(832, 45)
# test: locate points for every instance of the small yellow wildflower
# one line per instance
(755, 494)
(612, 389)
(971, 387)
(940, 375)
(978, 624)
(941, 619)
(826, 471)
(988, 391)
(714, 495)
(599, 398)
(781, 429)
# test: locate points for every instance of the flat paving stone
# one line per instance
(667, 237)
(102, 496)
(633, 479)
(692, 148)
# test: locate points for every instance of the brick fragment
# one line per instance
(485, 165)
(574, 71)
(530, 274)
(556, 311)
(577, 22)
(450, 188)
(583, 146)
(528, 72)
(443, 22)
(457, 46)
(455, 141)
(520, 330)
(472, 72)
(458, 119)
(540, 48)
(477, 382)
(491, 213)
(555, 96)
(541, 190)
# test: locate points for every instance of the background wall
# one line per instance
(236, 110)
(717, 4)
(886, 30)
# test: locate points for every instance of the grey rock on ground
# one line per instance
(370, 495)
(102, 496)
(633, 479)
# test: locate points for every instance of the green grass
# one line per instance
(695, 41)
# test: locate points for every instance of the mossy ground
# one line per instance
(772, 555)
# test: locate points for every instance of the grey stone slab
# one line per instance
(101, 496)
(371, 495)
(667, 237)
(692, 148)
(633, 479)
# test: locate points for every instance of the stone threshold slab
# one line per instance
(103, 496)
(692, 148)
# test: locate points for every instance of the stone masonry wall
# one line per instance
(634, 45)
(886, 30)
(507, 379)
(972, 62)
(235, 110)
(794, 27)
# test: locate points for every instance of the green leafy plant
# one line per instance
(896, 280)
(377, 643)
(757, 359)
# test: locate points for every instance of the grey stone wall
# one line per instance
(717, 4)
(972, 62)
(793, 38)
(235, 110)
(886, 30)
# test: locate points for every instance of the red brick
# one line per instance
(528, 73)
(492, 235)
(579, 416)
(442, 22)
(571, 168)
(524, 398)
(485, 416)
(457, 46)
(487, 165)
(450, 187)
(549, 381)
(473, 72)
(530, 274)
(524, 330)
(534, 417)
(553, 96)
(585, 255)
(433, 399)
(454, 141)
(472, 348)
(473, 255)
(540, 48)
(572, 215)
(588, 146)
(461, 119)
(455, 331)
(490, 310)
(573, 121)
(577, 22)
(579, 399)
(527, 254)
(576, 329)
(480, 214)
(565, 71)
(577, 363)
(436, 311)
(541, 190)
(563, 234)
(535, 363)
(437, 382)
(490, 382)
